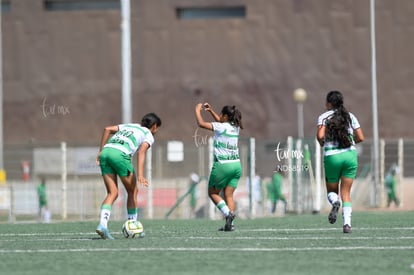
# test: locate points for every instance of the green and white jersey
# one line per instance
(226, 138)
(129, 137)
(331, 147)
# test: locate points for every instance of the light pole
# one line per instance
(2, 171)
(299, 95)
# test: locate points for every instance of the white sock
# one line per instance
(332, 197)
(104, 217)
(346, 214)
(222, 206)
(133, 217)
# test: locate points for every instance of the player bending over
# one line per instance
(114, 158)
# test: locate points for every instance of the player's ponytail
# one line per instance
(338, 124)
(234, 115)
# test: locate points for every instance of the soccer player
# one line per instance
(337, 131)
(274, 189)
(114, 159)
(43, 208)
(226, 170)
(391, 184)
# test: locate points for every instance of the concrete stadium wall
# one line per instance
(62, 69)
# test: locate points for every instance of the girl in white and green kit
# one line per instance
(118, 144)
(226, 170)
(338, 132)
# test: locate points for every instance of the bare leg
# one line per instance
(111, 186)
(214, 195)
(221, 203)
(130, 184)
(228, 197)
(332, 187)
(346, 184)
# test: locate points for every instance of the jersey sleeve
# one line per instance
(322, 118)
(149, 138)
(121, 126)
(320, 121)
(218, 127)
(354, 122)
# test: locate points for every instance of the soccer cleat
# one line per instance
(347, 229)
(229, 222)
(104, 233)
(222, 228)
(334, 212)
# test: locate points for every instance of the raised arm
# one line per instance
(200, 121)
(209, 109)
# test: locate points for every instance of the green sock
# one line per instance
(132, 213)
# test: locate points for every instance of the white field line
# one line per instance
(373, 229)
(325, 229)
(87, 237)
(205, 249)
(347, 237)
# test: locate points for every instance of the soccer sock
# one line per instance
(222, 206)
(132, 214)
(332, 197)
(105, 214)
(347, 212)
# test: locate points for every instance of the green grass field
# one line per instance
(381, 243)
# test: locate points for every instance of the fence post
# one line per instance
(64, 181)
(299, 181)
(401, 170)
(289, 145)
(211, 206)
(252, 174)
(12, 217)
(148, 174)
(382, 172)
(318, 176)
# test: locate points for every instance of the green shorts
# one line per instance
(225, 174)
(113, 161)
(341, 165)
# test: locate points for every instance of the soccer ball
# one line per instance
(133, 229)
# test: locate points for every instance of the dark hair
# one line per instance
(338, 124)
(233, 114)
(150, 119)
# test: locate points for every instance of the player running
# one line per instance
(226, 170)
(338, 131)
(114, 159)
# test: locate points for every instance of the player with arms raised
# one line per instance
(226, 170)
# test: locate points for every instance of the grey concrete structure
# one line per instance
(62, 69)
